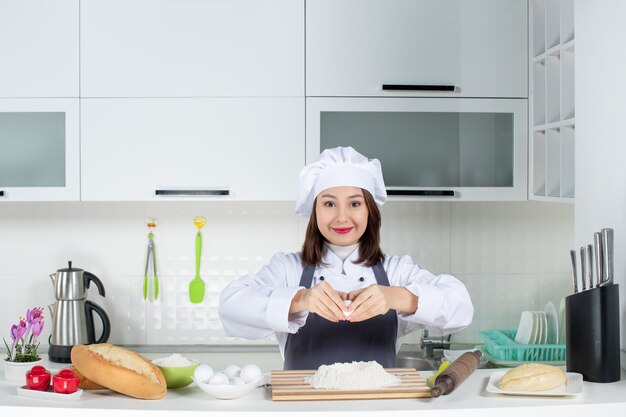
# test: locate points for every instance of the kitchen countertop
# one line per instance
(470, 399)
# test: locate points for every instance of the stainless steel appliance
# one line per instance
(72, 314)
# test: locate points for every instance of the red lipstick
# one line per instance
(342, 230)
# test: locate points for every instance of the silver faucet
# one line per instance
(428, 344)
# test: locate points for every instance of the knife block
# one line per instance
(593, 333)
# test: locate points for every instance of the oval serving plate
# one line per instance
(574, 386)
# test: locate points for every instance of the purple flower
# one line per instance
(34, 315)
(35, 321)
(24, 335)
(17, 331)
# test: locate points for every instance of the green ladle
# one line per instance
(196, 286)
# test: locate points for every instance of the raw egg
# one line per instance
(203, 373)
(250, 373)
(346, 312)
(219, 379)
(232, 371)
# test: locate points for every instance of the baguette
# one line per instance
(531, 377)
(119, 369)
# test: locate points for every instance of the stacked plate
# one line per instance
(538, 327)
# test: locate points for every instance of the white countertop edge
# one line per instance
(572, 410)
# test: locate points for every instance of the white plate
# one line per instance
(49, 395)
(525, 328)
(542, 325)
(228, 392)
(574, 386)
(536, 329)
(553, 324)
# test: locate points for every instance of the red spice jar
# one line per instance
(65, 382)
(38, 378)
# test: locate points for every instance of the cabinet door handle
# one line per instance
(1, 193)
(422, 193)
(418, 87)
(183, 192)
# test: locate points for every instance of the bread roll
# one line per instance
(120, 369)
(85, 383)
(531, 377)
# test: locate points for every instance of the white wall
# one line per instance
(600, 139)
(511, 256)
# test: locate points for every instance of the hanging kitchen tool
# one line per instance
(151, 222)
(196, 286)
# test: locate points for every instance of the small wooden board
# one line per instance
(291, 386)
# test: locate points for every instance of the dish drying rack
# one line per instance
(501, 348)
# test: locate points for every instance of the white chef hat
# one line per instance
(341, 166)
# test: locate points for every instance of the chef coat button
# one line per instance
(361, 279)
(321, 278)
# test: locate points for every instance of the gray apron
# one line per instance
(322, 342)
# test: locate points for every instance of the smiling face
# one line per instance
(341, 215)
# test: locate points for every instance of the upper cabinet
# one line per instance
(430, 148)
(39, 105)
(39, 149)
(455, 48)
(192, 48)
(39, 48)
(209, 148)
(551, 101)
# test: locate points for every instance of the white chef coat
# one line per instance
(257, 305)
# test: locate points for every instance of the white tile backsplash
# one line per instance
(511, 256)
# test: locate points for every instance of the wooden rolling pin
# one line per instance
(456, 373)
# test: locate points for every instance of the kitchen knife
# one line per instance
(583, 267)
(597, 245)
(572, 255)
(607, 246)
(590, 264)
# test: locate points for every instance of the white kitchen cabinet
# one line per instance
(551, 98)
(192, 48)
(39, 48)
(478, 48)
(430, 148)
(207, 148)
(39, 149)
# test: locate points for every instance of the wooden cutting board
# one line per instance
(291, 386)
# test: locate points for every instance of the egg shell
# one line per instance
(236, 381)
(219, 379)
(232, 371)
(250, 373)
(203, 373)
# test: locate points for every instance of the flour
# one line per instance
(352, 376)
(174, 360)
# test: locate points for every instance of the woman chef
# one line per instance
(341, 299)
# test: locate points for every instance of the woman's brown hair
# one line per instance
(369, 245)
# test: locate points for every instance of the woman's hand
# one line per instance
(379, 299)
(322, 300)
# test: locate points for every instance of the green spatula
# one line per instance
(196, 286)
